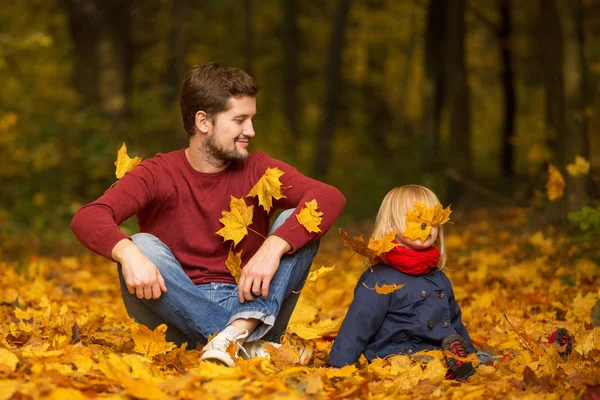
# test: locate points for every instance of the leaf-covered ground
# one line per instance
(64, 333)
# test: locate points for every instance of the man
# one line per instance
(174, 271)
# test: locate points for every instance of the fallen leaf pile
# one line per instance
(64, 333)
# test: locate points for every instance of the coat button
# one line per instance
(444, 324)
(423, 293)
(441, 295)
(430, 324)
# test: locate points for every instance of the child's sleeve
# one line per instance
(362, 321)
(456, 317)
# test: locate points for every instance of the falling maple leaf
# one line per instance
(124, 163)
(421, 218)
(357, 244)
(314, 275)
(580, 167)
(384, 289)
(555, 186)
(236, 221)
(374, 248)
(383, 244)
(309, 217)
(233, 264)
(268, 188)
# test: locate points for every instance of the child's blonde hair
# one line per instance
(395, 205)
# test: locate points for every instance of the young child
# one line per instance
(423, 314)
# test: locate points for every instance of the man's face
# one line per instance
(230, 132)
(419, 244)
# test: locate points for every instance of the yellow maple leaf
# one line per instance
(384, 289)
(8, 361)
(284, 356)
(555, 185)
(374, 248)
(314, 275)
(357, 244)
(8, 388)
(150, 343)
(268, 188)
(588, 342)
(124, 163)
(236, 221)
(309, 217)
(580, 167)
(421, 218)
(441, 215)
(233, 264)
(383, 244)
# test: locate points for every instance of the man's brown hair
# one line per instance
(208, 87)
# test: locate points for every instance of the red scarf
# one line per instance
(410, 261)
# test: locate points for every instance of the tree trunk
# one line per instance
(248, 37)
(178, 46)
(326, 130)
(551, 67)
(291, 49)
(433, 89)
(118, 21)
(507, 77)
(457, 96)
(84, 19)
(104, 53)
(573, 68)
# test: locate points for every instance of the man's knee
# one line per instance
(145, 240)
(152, 247)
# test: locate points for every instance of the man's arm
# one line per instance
(258, 272)
(298, 190)
(96, 226)
(290, 236)
(141, 275)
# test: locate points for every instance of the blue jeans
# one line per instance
(194, 312)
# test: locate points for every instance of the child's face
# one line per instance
(419, 244)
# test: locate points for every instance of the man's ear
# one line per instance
(202, 122)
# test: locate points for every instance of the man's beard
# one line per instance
(221, 154)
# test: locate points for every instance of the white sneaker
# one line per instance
(256, 349)
(216, 349)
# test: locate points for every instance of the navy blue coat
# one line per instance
(417, 317)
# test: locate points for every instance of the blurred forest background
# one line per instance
(474, 98)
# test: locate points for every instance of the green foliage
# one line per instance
(587, 219)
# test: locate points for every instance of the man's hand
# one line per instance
(141, 275)
(257, 274)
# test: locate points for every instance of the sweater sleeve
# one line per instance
(456, 315)
(363, 319)
(298, 190)
(96, 225)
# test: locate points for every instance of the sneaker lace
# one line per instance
(221, 343)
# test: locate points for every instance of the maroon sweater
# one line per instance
(182, 207)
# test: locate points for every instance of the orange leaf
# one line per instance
(268, 188)
(150, 343)
(374, 248)
(284, 356)
(233, 264)
(383, 244)
(384, 289)
(555, 186)
(124, 163)
(421, 218)
(309, 217)
(314, 275)
(236, 221)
